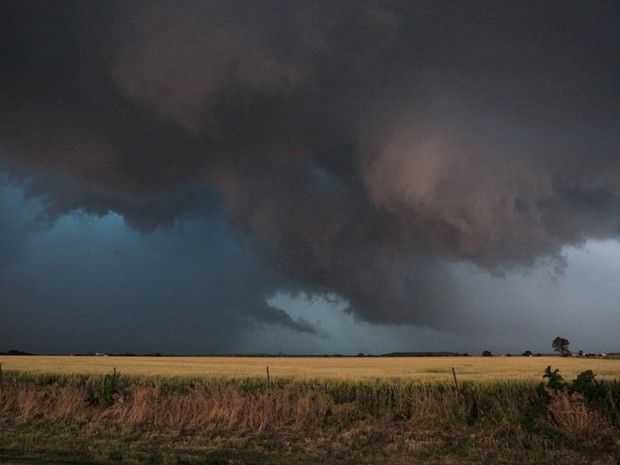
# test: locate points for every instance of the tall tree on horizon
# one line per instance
(560, 345)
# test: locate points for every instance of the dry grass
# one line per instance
(425, 369)
(235, 407)
(154, 407)
(570, 414)
(318, 421)
(53, 402)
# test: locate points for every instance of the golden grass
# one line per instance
(426, 369)
(150, 406)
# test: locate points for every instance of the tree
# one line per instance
(527, 353)
(486, 353)
(560, 345)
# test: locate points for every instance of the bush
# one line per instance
(599, 399)
(587, 385)
(555, 380)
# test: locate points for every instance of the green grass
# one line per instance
(379, 443)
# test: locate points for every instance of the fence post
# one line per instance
(456, 385)
(268, 381)
(1, 377)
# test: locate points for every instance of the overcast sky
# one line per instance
(309, 177)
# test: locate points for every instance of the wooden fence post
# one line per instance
(456, 385)
(268, 381)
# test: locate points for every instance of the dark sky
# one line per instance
(256, 176)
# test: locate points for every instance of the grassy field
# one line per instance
(433, 369)
(319, 411)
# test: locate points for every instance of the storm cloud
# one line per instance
(359, 148)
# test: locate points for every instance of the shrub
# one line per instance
(555, 380)
(586, 384)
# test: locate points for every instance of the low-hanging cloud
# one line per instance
(360, 146)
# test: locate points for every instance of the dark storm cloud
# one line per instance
(359, 145)
(271, 315)
(71, 290)
(17, 220)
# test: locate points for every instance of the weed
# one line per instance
(107, 393)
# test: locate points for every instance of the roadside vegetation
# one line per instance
(119, 418)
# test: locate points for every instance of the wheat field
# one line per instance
(319, 410)
(424, 369)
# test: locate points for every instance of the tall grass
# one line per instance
(399, 420)
(248, 404)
